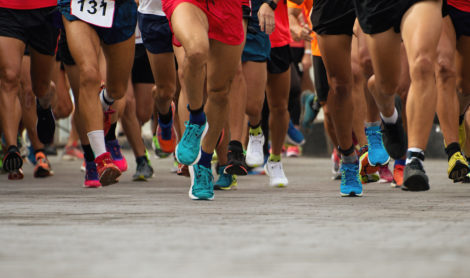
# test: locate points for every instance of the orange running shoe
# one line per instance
(43, 167)
(398, 169)
(364, 167)
(107, 171)
(167, 133)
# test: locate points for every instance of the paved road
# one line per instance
(54, 228)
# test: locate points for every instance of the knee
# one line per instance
(340, 86)
(41, 88)
(165, 91)
(10, 79)
(219, 95)
(445, 70)
(197, 54)
(89, 76)
(385, 85)
(422, 69)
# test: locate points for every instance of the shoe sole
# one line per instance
(235, 170)
(377, 165)
(199, 153)
(352, 194)
(109, 176)
(16, 175)
(42, 172)
(459, 171)
(91, 186)
(416, 183)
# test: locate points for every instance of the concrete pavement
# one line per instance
(54, 228)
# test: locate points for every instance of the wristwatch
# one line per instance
(271, 4)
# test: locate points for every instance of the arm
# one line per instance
(299, 30)
(266, 17)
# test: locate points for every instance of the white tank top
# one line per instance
(151, 7)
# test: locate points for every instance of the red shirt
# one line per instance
(281, 35)
(463, 5)
(27, 4)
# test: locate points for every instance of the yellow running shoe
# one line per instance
(458, 167)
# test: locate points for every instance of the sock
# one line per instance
(141, 159)
(197, 116)
(392, 119)
(400, 162)
(414, 153)
(96, 138)
(349, 159)
(39, 151)
(275, 158)
(451, 149)
(111, 135)
(205, 159)
(235, 145)
(461, 119)
(165, 118)
(88, 153)
(256, 130)
(106, 99)
(367, 125)
(13, 148)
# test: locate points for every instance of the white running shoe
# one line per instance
(254, 151)
(274, 170)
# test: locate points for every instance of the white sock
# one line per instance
(392, 119)
(414, 150)
(96, 138)
(106, 100)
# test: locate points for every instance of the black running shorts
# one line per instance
(333, 17)
(280, 59)
(321, 79)
(461, 21)
(141, 70)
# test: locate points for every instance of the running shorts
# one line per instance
(461, 21)
(123, 28)
(156, 33)
(141, 70)
(333, 17)
(34, 28)
(257, 45)
(224, 17)
(280, 59)
(321, 79)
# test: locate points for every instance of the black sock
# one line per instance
(88, 153)
(254, 126)
(451, 149)
(141, 159)
(235, 145)
(165, 118)
(38, 151)
(111, 135)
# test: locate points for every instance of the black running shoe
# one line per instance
(414, 177)
(12, 161)
(236, 163)
(394, 139)
(45, 125)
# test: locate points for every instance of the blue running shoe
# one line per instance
(225, 181)
(188, 150)
(350, 181)
(294, 136)
(311, 109)
(377, 153)
(202, 187)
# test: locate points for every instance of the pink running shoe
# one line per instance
(385, 175)
(91, 176)
(114, 149)
(293, 151)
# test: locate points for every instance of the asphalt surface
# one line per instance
(55, 228)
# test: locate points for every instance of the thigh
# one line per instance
(119, 60)
(277, 91)
(42, 67)
(336, 55)
(190, 25)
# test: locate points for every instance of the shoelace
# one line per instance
(204, 179)
(194, 130)
(276, 169)
(349, 175)
(375, 138)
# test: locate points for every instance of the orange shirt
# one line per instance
(306, 7)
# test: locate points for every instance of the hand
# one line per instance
(304, 33)
(266, 18)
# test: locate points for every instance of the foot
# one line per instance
(143, 172)
(46, 124)
(311, 109)
(43, 167)
(293, 151)
(156, 147)
(294, 136)
(92, 179)
(167, 134)
(72, 153)
(458, 167)
(202, 187)
(277, 178)
(254, 151)
(385, 174)
(225, 181)
(188, 150)
(365, 168)
(394, 139)
(114, 149)
(236, 163)
(377, 153)
(108, 172)
(12, 163)
(350, 183)
(414, 177)
(397, 175)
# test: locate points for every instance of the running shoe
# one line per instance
(92, 179)
(397, 175)
(377, 154)
(143, 172)
(174, 168)
(236, 163)
(108, 172)
(12, 163)
(350, 182)
(114, 149)
(225, 181)
(83, 167)
(311, 109)
(156, 147)
(394, 139)
(274, 170)
(458, 167)
(293, 151)
(31, 158)
(167, 134)
(254, 151)
(294, 136)
(183, 170)
(16, 174)
(50, 150)
(364, 166)
(336, 159)
(72, 153)
(202, 187)
(45, 125)
(369, 178)
(43, 167)
(414, 177)
(257, 171)
(385, 174)
(466, 179)
(188, 150)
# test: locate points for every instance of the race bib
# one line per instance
(96, 12)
